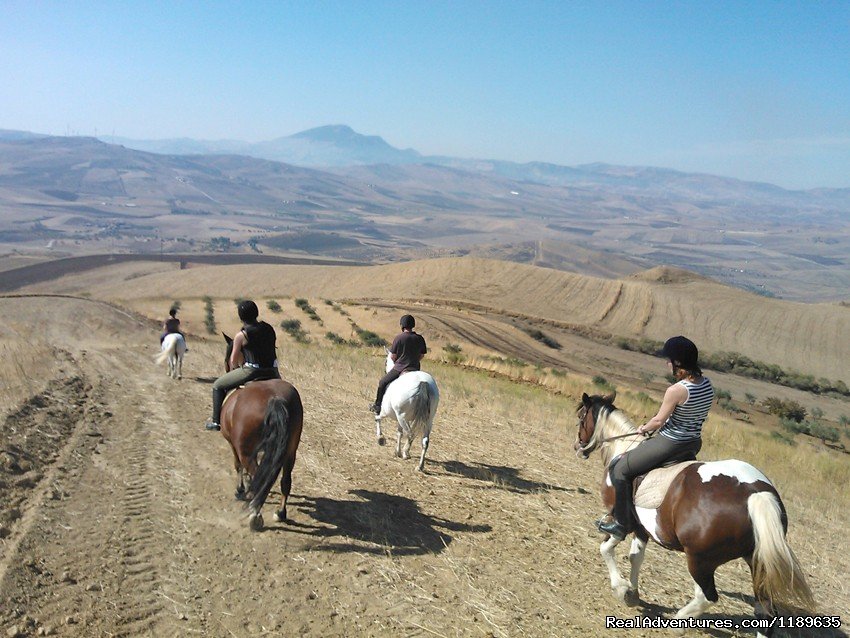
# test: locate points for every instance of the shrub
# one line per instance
(788, 409)
(824, 432)
(209, 320)
(729, 406)
(722, 394)
(336, 339)
(603, 383)
(238, 300)
(309, 310)
(513, 361)
(293, 328)
(751, 398)
(370, 338)
(452, 348)
(782, 437)
(543, 338)
(274, 306)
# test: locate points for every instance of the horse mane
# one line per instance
(613, 422)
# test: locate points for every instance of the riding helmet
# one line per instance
(408, 322)
(682, 352)
(248, 311)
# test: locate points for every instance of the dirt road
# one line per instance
(120, 518)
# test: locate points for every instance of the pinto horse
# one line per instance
(412, 400)
(714, 512)
(262, 421)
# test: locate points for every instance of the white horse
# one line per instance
(173, 349)
(412, 399)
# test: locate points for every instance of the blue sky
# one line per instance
(755, 90)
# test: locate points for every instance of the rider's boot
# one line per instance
(211, 425)
(622, 521)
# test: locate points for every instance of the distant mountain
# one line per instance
(338, 146)
(335, 145)
(759, 236)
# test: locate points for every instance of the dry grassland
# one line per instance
(809, 338)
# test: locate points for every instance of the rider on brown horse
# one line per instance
(407, 351)
(253, 357)
(679, 421)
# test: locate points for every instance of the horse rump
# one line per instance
(274, 439)
(777, 576)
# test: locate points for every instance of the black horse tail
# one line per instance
(274, 439)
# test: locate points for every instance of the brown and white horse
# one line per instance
(714, 512)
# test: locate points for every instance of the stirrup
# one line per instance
(211, 425)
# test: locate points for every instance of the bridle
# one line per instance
(594, 441)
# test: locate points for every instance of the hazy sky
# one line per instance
(756, 90)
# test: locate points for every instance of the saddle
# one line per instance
(649, 489)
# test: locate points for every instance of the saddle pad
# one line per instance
(654, 486)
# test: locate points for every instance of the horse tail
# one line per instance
(170, 351)
(274, 439)
(777, 575)
(421, 405)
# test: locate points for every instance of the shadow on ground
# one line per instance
(379, 523)
(501, 476)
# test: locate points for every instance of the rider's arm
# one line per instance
(236, 356)
(675, 395)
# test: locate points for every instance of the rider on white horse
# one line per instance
(407, 351)
(171, 326)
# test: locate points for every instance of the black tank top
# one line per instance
(260, 349)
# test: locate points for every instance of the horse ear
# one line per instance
(609, 398)
(226, 338)
(585, 399)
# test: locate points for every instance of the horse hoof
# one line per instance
(632, 598)
(620, 593)
(255, 522)
(280, 516)
(381, 440)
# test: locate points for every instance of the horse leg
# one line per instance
(619, 585)
(403, 429)
(285, 488)
(378, 433)
(636, 556)
(179, 366)
(705, 592)
(240, 478)
(421, 467)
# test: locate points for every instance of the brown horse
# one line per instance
(714, 512)
(262, 422)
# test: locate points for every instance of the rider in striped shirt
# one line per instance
(679, 424)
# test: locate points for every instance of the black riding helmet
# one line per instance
(408, 322)
(682, 352)
(248, 311)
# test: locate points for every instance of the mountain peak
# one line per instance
(330, 133)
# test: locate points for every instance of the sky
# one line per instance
(755, 90)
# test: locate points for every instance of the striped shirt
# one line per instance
(685, 424)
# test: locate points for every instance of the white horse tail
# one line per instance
(421, 405)
(170, 351)
(777, 576)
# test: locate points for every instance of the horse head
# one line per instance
(227, 352)
(587, 437)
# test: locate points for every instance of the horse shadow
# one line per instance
(501, 477)
(391, 524)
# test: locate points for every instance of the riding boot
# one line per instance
(623, 522)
